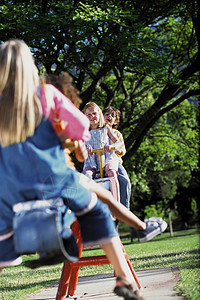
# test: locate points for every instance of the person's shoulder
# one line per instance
(51, 87)
(102, 128)
(117, 132)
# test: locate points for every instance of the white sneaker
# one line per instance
(155, 226)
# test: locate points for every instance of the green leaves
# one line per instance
(141, 57)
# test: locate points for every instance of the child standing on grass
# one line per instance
(32, 161)
(101, 135)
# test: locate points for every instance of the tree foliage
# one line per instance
(141, 56)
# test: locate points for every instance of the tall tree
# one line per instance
(141, 56)
(119, 52)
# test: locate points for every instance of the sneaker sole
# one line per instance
(163, 226)
(125, 293)
(154, 233)
(11, 263)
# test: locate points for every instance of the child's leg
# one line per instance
(112, 172)
(124, 186)
(117, 258)
(117, 209)
(103, 233)
(122, 213)
(125, 283)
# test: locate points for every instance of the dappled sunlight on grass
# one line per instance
(164, 251)
(17, 282)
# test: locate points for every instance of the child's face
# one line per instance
(109, 118)
(93, 116)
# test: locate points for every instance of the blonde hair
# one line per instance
(94, 105)
(20, 108)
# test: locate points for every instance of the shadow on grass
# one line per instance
(161, 237)
(20, 287)
(190, 259)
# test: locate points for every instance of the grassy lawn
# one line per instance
(180, 251)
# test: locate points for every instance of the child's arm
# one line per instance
(89, 150)
(121, 149)
(81, 152)
(78, 147)
(116, 143)
(111, 134)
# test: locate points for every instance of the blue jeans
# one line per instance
(125, 186)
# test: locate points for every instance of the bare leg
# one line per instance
(116, 257)
(117, 209)
(124, 277)
(113, 173)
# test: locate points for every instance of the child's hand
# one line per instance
(89, 149)
(81, 151)
(107, 148)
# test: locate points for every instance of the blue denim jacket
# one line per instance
(36, 169)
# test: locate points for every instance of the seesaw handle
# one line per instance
(99, 152)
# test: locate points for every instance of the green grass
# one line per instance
(180, 251)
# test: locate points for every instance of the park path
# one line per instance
(157, 284)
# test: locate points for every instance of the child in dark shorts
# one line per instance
(32, 162)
